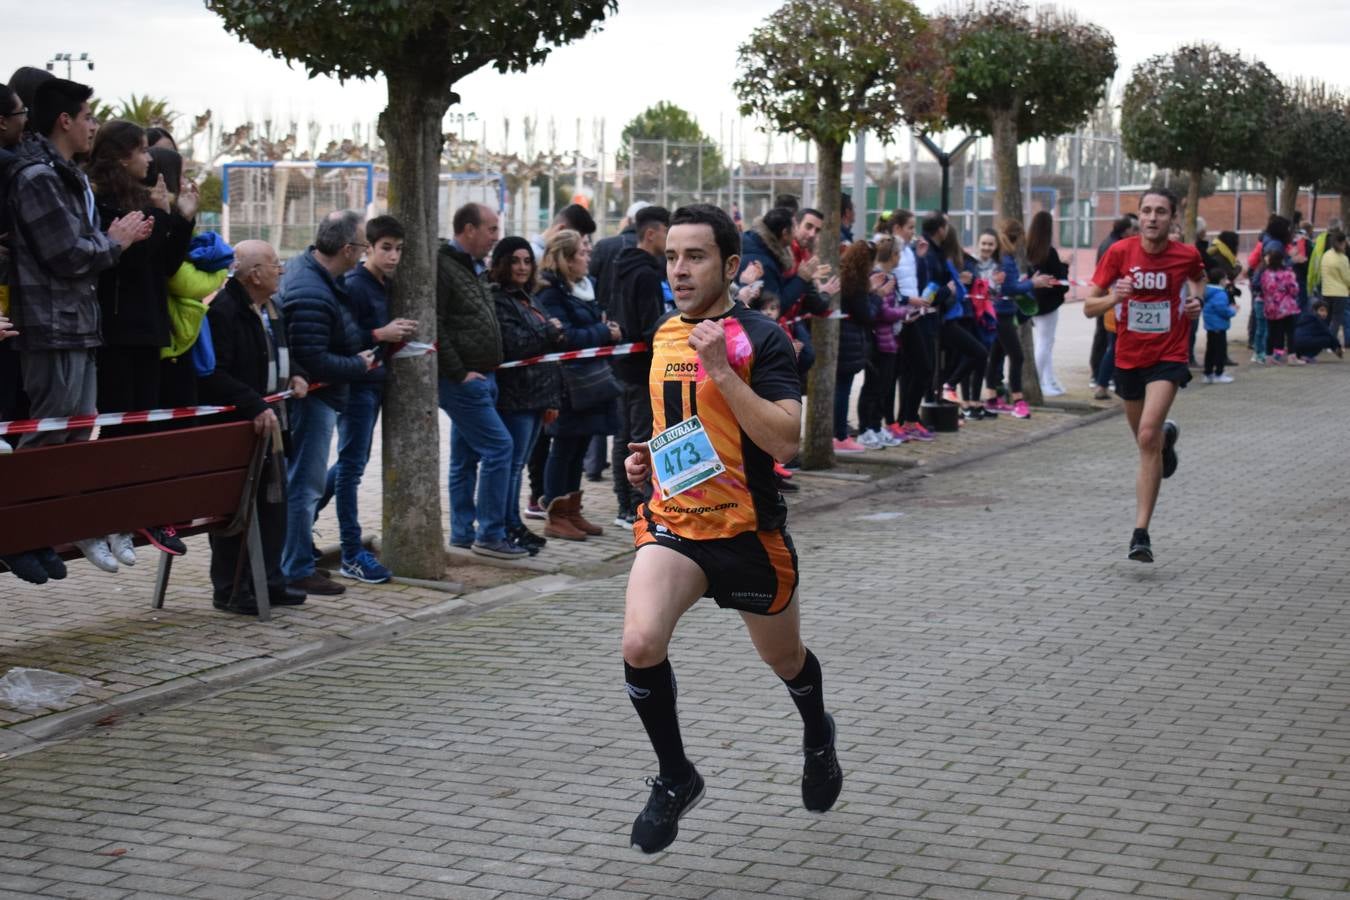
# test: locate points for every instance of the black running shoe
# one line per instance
(822, 779)
(1171, 431)
(657, 825)
(55, 566)
(1140, 548)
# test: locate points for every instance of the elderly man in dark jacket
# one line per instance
(326, 342)
(253, 361)
(469, 350)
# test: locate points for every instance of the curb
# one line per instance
(34, 734)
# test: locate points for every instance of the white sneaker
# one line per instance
(1208, 379)
(887, 439)
(122, 549)
(870, 439)
(1222, 379)
(97, 551)
(1052, 390)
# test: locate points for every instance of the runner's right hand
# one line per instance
(638, 464)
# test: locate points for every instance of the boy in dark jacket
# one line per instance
(637, 304)
(252, 361)
(325, 342)
(367, 287)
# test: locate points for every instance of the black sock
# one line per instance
(809, 694)
(652, 691)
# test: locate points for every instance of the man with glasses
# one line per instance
(326, 343)
(252, 361)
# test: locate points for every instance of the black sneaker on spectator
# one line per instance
(625, 520)
(54, 564)
(26, 567)
(164, 538)
(658, 824)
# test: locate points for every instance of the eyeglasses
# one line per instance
(270, 265)
(363, 246)
(21, 111)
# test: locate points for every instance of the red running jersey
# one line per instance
(1151, 326)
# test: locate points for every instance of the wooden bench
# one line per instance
(202, 479)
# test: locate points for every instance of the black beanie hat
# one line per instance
(507, 246)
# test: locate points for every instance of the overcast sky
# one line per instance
(651, 50)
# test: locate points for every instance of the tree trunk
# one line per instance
(1008, 199)
(413, 543)
(818, 443)
(1192, 204)
(1007, 179)
(1288, 196)
(1272, 197)
(1345, 206)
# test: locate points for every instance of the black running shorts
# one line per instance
(1130, 382)
(754, 571)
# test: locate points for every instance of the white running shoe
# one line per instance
(122, 548)
(887, 439)
(870, 439)
(97, 551)
(1225, 378)
(1209, 379)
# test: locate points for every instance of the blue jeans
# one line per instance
(1107, 370)
(524, 427)
(843, 386)
(356, 431)
(312, 423)
(562, 470)
(481, 451)
(1260, 335)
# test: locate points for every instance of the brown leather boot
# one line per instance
(559, 524)
(574, 508)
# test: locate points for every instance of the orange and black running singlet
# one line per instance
(744, 497)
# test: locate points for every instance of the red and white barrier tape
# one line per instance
(588, 353)
(103, 420)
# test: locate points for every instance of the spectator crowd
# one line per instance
(111, 300)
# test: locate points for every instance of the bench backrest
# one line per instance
(54, 495)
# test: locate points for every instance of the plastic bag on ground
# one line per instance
(29, 690)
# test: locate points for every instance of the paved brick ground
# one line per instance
(101, 628)
(1021, 712)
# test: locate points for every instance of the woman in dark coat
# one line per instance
(134, 295)
(568, 295)
(527, 393)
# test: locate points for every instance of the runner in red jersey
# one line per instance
(1154, 285)
(727, 402)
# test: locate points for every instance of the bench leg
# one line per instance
(255, 559)
(162, 579)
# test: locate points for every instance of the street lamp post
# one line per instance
(70, 59)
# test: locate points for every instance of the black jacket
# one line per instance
(322, 332)
(603, 255)
(637, 304)
(584, 327)
(237, 332)
(525, 333)
(853, 334)
(134, 294)
(1052, 298)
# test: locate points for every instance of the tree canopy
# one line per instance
(442, 40)
(1044, 67)
(826, 70)
(1199, 108)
